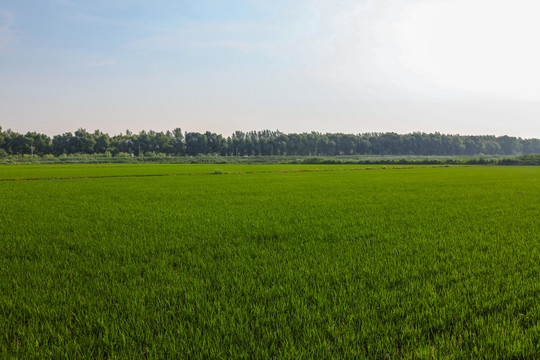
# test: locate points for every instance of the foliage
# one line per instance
(264, 143)
(125, 158)
(532, 159)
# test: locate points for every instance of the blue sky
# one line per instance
(296, 65)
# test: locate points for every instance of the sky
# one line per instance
(354, 66)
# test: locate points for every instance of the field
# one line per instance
(150, 170)
(269, 261)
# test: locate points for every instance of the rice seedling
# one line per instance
(260, 263)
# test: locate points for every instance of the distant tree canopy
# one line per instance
(266, 143)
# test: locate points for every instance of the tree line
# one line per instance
(256, 143)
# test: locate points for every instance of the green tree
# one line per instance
(178, 147)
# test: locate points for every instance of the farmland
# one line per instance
(145, 170)
(261, 261)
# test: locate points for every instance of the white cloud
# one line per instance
(485, 47)
(373, 50)
(353, 46)
(263, 35)
(100, 63)
(194, 35)
(410, 49)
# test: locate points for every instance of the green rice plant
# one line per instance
(409, 263)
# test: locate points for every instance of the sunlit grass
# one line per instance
(390, 263)
(119, 170)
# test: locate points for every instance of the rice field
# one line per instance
(58, 171)
(269, 261)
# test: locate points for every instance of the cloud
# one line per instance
(175, 42)
(412, 49)
(267, 25)
(101, 63)
(491, 52)
(343, 49)
(7, 33)
(193, 35)
(197, 35)
(64, 2)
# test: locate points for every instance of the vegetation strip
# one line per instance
(266, 143)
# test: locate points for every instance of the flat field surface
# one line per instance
(32, 172)
(389, 263)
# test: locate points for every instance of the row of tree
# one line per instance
(264, 142)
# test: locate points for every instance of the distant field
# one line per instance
(119, 170)
(418, 262)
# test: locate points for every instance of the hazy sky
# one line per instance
(453, 66)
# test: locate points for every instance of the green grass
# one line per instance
(143, 170)
(397, 263)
